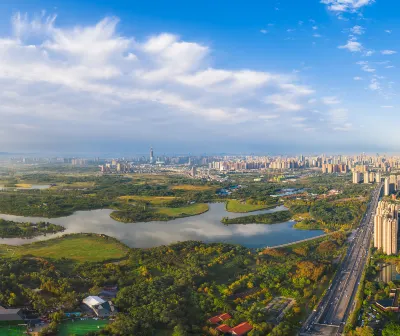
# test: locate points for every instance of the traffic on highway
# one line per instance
(330, 317)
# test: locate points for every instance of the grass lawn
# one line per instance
(80, 248)
(80, 327)
(189, 187)
(155, 200)
(238, 206)
(12, 330)
(191, 210)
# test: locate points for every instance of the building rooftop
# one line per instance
(223, 328)
(241, 329)
(10, 314)
(92, 301)
(219, 318)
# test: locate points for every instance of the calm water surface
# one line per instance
(205, 227)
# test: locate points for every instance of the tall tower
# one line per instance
(151, 155)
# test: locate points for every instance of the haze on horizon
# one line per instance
(265, 77)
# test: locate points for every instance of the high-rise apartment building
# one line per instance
(366, 177)
(387, 186)
(386, 227)
(356, 177)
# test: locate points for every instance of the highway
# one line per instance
(330, 317)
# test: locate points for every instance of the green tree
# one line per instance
(392, 329)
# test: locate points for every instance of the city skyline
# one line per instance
(269, 77)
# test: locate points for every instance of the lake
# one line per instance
(33, 186)
(205, 227)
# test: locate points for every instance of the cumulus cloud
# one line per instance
(357, 78)
(91, 80)
(352, 45)
(346, 5)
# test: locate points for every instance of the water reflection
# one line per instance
(31, 187)
(389, 273)
(205, 227)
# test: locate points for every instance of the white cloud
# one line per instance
(387, 106)
(374, 85)
(131, 57)
(317, 35)
(389, 66)
(91, 80)
(357, 78)
(369, 53)
(332, 100)
(315, 27)
(365, 66)
(290, 30)
(284, 102)
(269, 116)
(352, 46)
(358, 30)
(264, 31)
(345, 128)
(346, 5)
(388, 52)
(388, 31)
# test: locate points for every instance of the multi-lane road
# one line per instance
(334, 309)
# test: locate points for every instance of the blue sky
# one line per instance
(228, 76)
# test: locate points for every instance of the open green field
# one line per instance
(80, 327)
(154, 200)
(238, 206)
(12, 330)
(191, 210)
(189, 187)
(80, 248)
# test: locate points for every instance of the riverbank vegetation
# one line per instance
(242, 206)
(268, 218)
(173, 288)
(11, 229)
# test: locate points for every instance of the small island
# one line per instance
(268, 218)
(134, 214)
(11, 229)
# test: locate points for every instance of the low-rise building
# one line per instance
(100, 307)
(392, 303)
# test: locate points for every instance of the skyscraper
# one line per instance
(386, 227)
(151, 155)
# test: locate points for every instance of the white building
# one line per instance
(100, 307)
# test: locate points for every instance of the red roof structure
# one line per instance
(223, 328)
(219, 318)
(241, 329)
